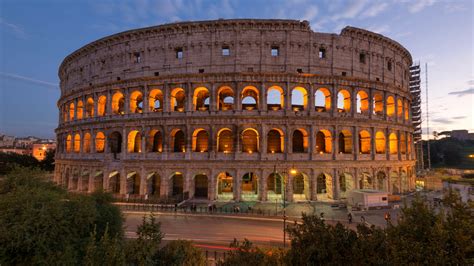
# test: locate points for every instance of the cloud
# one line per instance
(310, 13)
(418, 5)
(376, 8)
(15, 29)
(353, 10)
(443, 120)
(459, 117)
(463, 92)
(30, 80)
(381, 29)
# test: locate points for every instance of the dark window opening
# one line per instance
(377, 79)
(275, 51)
(225, 51)
(118, 78)
(157, 74)
(343, 73)
(250, 69)
(299, 70)
(322, 53)
(179, 53)
(389, 66)
(201, 70)
(362, 58)
(138, 58)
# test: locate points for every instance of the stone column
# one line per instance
(91, 187)
(237, 185)
(126, 94)
(312, 142)
(335, 184)
(238, 97)
(262, 105)
(166, 98)
(355, 142)
(108, 105)
(313, 181)
(289, 186)
(311, 99)
(142, 190)
(124, 143)
(146, 98)
(287, 93)
(335, 143)
(371, 103)
(123, 182)
(189, 98)
(334, 92)
(212, 98)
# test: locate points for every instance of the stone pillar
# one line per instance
(91, 187)
(373, 151)
(189, 98)
(334, 92)
(353, 96)
(311, 99)
(289, 186)
(371, 103)
(287, 93)
(211, 185)
(146, 97)
(142, 189)
(123, 182)
(313, 181)
(189, 183)
(238, 97)
(212, 98)
(166, 98)
(237, 185)
(93, 150)
(126, 95)
(263, 189)
(95, 98)
(124, 142)
(335, 184)
(335, 143)
(355, 142)
(144, 133)
(263, 98)
(312, 142)
(108, 105)
(387, 144)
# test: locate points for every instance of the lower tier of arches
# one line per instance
(242, 181)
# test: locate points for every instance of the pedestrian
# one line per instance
(349, 217)
(175, 207)
(362, 219)
(322, 216)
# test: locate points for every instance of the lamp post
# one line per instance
(285, 174)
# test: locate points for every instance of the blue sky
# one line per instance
(36, 35)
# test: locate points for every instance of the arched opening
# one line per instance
(362, 102)
(323, 141)
(115, 141)
(71, 111)
(101, 104)
(178, 140)
(301, 187)
(274, 187)
(80, 109)
(365, 181)
(345, 142)
(99, 142)
(381, 181)
(153, 186)
(77, 143)
(99, 181)
(225, 186)
(364, 142)
(404, 178)
(300, 141)
(250, 140)
(155, 101)
(177, 184)
(65, 179)
(275, 98)
(134, 142)
(249, 186)
(346, 184)
(65, 111)
(380, 142)
(201, 99)
(90, 107)
(343, 101)
(225, 98)
(394, 182)
(393, 143)
(399, 108)
(133, 183)
(403, 143)
(299, 99)
(275, 141)
(74, 181)
(118, 104)
(114, 182)
(155, 141)
(200, 140)
(407, 110)
(324, 186)
(409, 143)
(322, 100)
(250, 98)
(378, 104)
(69, 143)
(225, 141)
(390, 106)
(200, 186)
(87, 143)
(178, 98)
(85, 181)
(136, 102)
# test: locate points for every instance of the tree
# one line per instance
(47, 163)
(145, 249)
(180, 252)
(8, 161)
(245, 253)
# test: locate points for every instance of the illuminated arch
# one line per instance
(301, 187)
(409, 143)
(343, 101)
(299, 99)
(225, 98)
(178, 99)
(299, 141)
(381, 181)
(90, 107)
(399, 108)
(101, 104)
(77, 143)
(118, 103)
(114, 142)
(275, 98)
(324, 186)
(275, 142)
(114, 182)
(390, 106)
(80, 110)
(250, 140)
(407, 110)
(345, 142)
(69, 143)
(155, 100)
(362, 102)
(403, 143)
(134, 141)
(225, 140)
(99, 142)
(274, 187)
(366, 181)
(322, 100)
(378, 104)
(201, 99)
(250, 98)
(133, 183)
(393, 143)
(136, 102)
(346, 184)
(178, 140)
(177, 184)
(87, 143)
(364, 142)
(380, 142)
(323, 141)
(153, 185)
(225, 186)
(200, 141)
(249, 186)
(155, 141)
(71, 111)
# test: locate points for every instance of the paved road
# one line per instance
(212, 230)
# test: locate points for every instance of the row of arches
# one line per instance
(250, 141)
(247, 187)
(344, 100)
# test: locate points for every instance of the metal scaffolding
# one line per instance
(415, 90)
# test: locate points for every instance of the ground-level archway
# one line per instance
(381, 181)
(177, 184)
(114, 182)
(133, 183)
(274, 187)
(324, 189)
(99, 181)
(200, 186)
(394, 183)
(346, 184)
(249, 187)
(225, 186)
(301, 187)
(153, 185)
(365, 181)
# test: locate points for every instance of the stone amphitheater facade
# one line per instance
(214, 109)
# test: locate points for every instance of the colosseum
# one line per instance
(214, 110)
